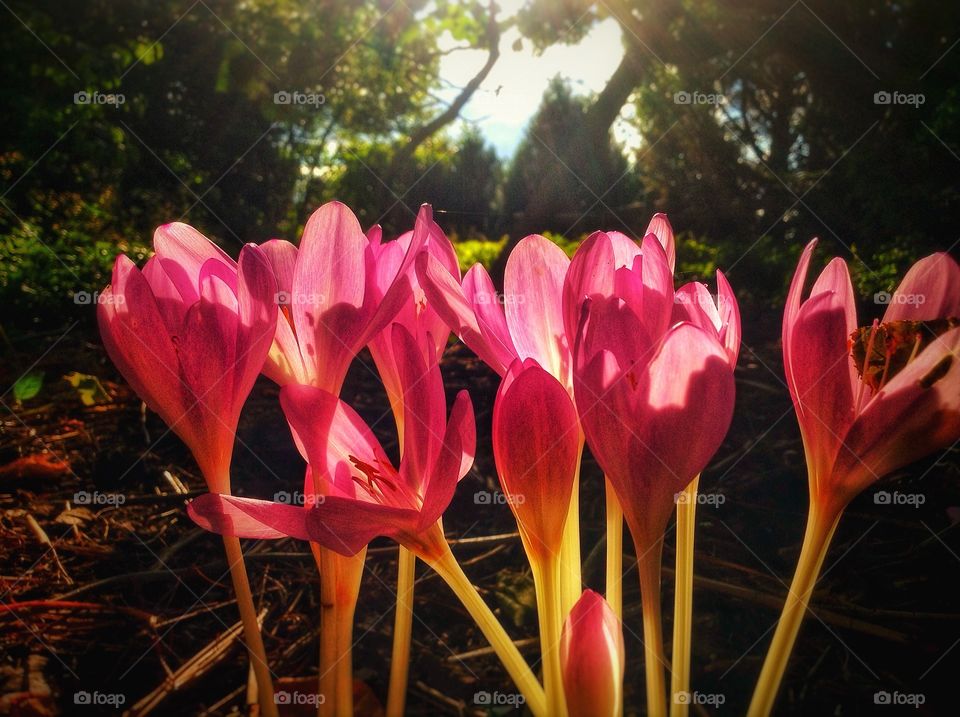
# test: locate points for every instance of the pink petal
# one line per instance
(282, 256)
(453, 461)
(792, 309)
(822, 392)
(536, 444)
(729, 318)
(592, 658)
(658, 286)
(489, 312)
(915, 414)
(591, 272)
(328, 284)
(182, 251)
(248, 517)
(660, 227)
(533, 296)
(929, 290)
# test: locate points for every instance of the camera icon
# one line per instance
(681, 498)
(282, 298)
(882, 297)
(483, 698)
(882, 98)
(882, 497)
(482, 498)
(82, 698)
(83, 298)
(283, 497)
(81, 497)
(681, 698)
(882, 698)
(682, 98)
(282, 98)
(81, 98)
(281, 698)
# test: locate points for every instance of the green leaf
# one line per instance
(28, 386)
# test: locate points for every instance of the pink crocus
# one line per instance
(856, 431)
(536, 445)
(417, 314)
(592, 656)
(868, 401)
(356, 492)
(655, 395)
(334, 295)
(190, 334)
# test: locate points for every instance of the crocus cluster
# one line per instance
(602, 350)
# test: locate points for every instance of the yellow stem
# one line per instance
(251, 629)
(328, 632)
(446, 565)
(683, 600)
(545, 577)
(821, 525)
(648, 559)
(614, 552)
(402, 628)
(570, 575)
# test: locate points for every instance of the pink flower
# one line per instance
(334, 295)
(592, 658)
(536, 444)
(417, 314)
(908, 405)
(353, 491)
(655, 397)
(190, 334)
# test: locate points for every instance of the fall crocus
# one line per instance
(190, 334)
(536, 445)
(337, 291)
(360, 495)
(423, 322)
(868, 400)
(524, 322)
(592, 655)
(655, 400)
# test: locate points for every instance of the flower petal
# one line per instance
(248, 517)
(533, 303)
(660, 227)
(929, 290)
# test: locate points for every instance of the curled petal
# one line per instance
(929, 290)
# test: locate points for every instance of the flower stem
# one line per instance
(446, 565)
(569, 566)
(545, 577)
(648, 559)
(614, 582)
(402, 628)
(683, 599)
(821, 525)
(251, 629)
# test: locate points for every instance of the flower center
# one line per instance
(372, 479)
(881, 351)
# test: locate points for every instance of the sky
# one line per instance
(522, 76)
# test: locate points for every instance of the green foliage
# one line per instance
(27, 386)
(478, 251)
